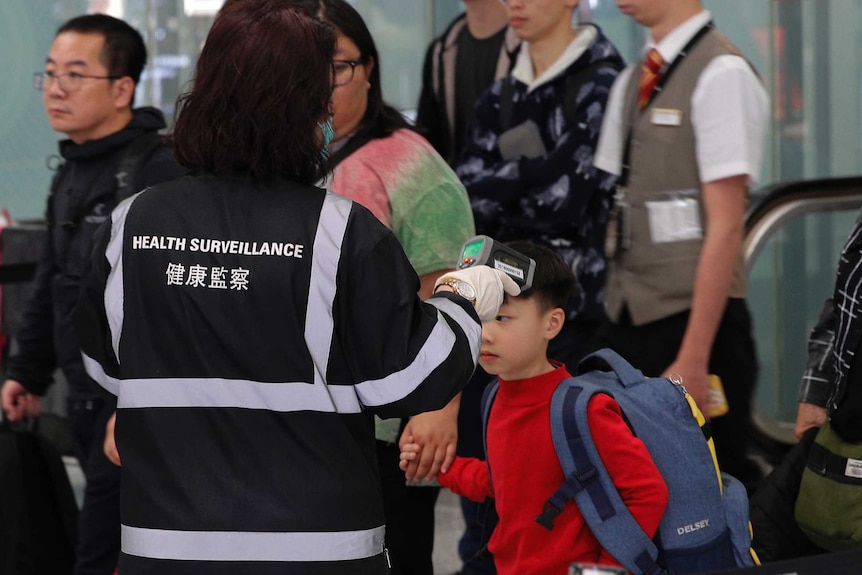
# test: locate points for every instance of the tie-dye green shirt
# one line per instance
(411, 189)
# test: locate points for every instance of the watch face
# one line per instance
(465, 290)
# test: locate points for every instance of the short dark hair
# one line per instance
(380, 119)
(262, 85)
(553, 281)
(124, 53)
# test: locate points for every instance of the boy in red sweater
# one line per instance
(524, 470)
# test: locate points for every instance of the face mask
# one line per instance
(328, 133)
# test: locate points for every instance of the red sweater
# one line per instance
(526, 473)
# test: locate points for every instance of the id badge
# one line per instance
(666, 117)
(675, 219)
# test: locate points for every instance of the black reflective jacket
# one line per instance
(250, 330)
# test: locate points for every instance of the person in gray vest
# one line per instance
(475, 50)
(112, 150)
(685, 131)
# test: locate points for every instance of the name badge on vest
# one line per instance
(676, 219)
(666, 117)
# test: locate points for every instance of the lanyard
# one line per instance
(665, 75)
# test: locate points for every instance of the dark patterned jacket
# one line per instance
(557, 198)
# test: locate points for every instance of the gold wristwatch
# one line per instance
(461, 288)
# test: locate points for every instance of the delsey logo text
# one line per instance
(693, 527)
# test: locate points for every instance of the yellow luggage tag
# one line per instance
(716, 405)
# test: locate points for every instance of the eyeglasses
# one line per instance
(70, 82)
(344, 70)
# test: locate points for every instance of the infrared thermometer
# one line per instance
(482, 250)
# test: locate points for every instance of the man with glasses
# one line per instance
(112, 150)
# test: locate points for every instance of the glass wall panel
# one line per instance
(818, 133)
(26, 29)
(401, 31)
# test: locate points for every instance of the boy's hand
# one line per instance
(437, 433)
(410, 453)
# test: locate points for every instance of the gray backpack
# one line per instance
(705, 526)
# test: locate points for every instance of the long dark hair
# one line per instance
(380, 119)
(262, 83)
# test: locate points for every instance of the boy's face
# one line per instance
(515, 343)
(535, 20)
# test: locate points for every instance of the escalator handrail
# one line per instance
(771, 206)
(765, 199)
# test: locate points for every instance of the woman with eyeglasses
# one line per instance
(380, 162)
(251, 325)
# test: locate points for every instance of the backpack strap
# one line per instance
(488, 397)
(606, 358)
(581, 474)
(508, 54)
(827, 463)
(588, 483)
(134, 157)
(342, 153)
(443, 75)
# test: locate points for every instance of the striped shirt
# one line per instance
(834, 340)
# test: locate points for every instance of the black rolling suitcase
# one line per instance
(38, 513)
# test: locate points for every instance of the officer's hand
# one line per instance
(110, 445)
(18, 403)
(490, 286)
(437, 433)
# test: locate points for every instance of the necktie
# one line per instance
(650, 74)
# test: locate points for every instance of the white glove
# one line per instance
(489, 285)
